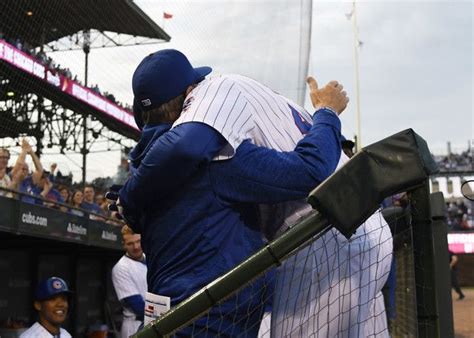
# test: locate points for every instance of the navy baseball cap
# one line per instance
(160, 77)
(51, 287)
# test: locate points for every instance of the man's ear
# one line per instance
(37, 305)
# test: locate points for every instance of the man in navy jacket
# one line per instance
(197, 217)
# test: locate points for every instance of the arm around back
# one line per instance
(260, 175)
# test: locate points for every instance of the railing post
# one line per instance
(441, 258)
(431, 266)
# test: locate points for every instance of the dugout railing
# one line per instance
(26, 214)
(400, 163)
(417, 294)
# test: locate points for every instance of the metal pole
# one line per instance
(356, 63)
(427, 297)
(86, 49)
(305, 48)
(441, 267)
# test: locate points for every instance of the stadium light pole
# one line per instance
(356, 66)
(86, 47)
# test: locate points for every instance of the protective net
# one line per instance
(330, 287)
(65, 87)
(400, 290)
(66, 69)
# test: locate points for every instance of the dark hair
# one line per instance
(74, 194)
(167, 112)
(63, 187)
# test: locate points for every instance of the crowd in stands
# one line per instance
(54, 190)
(455, 162)
(460, 215)
(48, 62)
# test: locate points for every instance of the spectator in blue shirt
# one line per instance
(89, 203)
(28, 184)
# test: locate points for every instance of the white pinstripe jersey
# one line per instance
(241, 108)
(129, 278)
(38, 331)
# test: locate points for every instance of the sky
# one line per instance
(415, 60)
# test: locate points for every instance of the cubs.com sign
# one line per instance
(29, 218)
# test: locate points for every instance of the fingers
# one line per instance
(336, 85)
(114, 202)
(116, 187)
(116, 211)
(111, 195)
(332, 95)
(118, 216)
(113, 207)
(311, 81)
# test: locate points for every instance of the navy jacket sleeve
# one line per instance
(171, 160)
(136, 304)
(260, 175)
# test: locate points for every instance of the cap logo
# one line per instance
(57, 284)
(146, 102)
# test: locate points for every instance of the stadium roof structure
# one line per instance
(41, 100)
(42, 21)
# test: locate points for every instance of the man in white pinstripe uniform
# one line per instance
(341, 279)
(129, 279)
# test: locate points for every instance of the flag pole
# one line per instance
(306, 17)
(356, 64)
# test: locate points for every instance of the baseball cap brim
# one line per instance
(137, 114)
(202, 72)
(47, 297)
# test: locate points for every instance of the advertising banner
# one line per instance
(7, 214)
(103, 234)
(32, 66)
(461, 242)
(46, 222)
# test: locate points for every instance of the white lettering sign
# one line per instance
(110, 236)
(29, 218)
(55, 80)
(76, 229)
(459, 238)
(79, 92)
(8, 54)
(30, 65)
